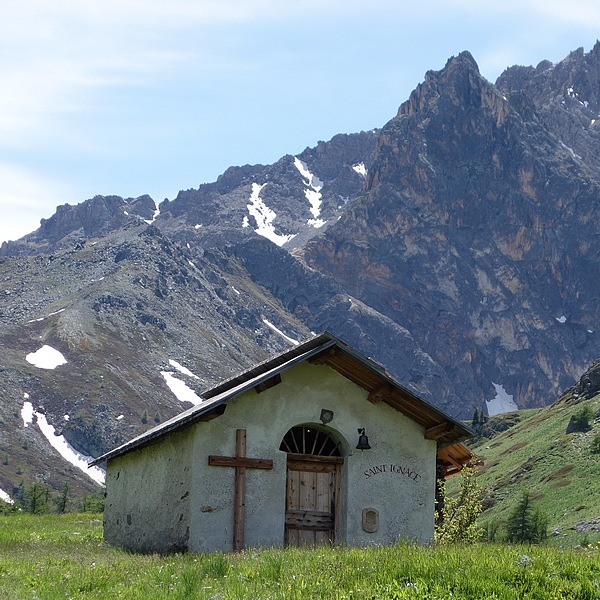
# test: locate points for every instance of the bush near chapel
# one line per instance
(580, 421)
(457, 518)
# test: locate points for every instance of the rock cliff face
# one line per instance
(73, 224)
(475, 234)
(566, 97)
(587, 387)
(457, 246)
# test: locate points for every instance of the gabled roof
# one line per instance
(330, 350)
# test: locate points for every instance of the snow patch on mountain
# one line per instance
(60, 444)
(27, 412)
(501, 403)
(48, 315)
(46, 358)
(360, 169)
(312, 181)
(313, 193)
(182, 369)
(276, 330)
(4, 496)
(264, 217)
(154, 216)
(182, 392)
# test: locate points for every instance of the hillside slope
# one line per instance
(560, 470)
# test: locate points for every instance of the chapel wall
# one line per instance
(147, 505)
(395, 479)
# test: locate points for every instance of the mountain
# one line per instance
(476, 233)
(455, 246)
(566, 99)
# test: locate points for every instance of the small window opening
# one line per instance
(304, 439)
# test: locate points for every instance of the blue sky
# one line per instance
(130, 97)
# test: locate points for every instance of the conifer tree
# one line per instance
(62, 499)
(526, 525)
(36, 498)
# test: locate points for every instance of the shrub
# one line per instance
(478, 418)
(7, 509)
(93, 503)
(491, 531)
(457, 519)
(595, 445)
(580, 421)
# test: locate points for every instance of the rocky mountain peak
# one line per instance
(73, 224)
(566, 97)
(467, 178)
(458, 84)
(451, 106)
(573, 81)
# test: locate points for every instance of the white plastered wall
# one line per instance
(396, 478)
(147, 504)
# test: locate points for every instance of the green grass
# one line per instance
(63, 556)
(558, 470)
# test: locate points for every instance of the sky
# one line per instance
(133, 97)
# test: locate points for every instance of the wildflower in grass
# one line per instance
(595, 546)
(524, 560)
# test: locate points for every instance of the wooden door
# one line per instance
(312, 494)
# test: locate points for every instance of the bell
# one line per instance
(363, 440)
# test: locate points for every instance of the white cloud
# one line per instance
(56, 55)
(576, 12)
(24, 199)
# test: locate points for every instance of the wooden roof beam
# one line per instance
(455, 463)
(379, 393)
(325, 356)
(439, 430)
(268, 383)
(450, 472)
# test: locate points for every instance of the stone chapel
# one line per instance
(318, 445)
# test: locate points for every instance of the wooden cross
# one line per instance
(241, 463)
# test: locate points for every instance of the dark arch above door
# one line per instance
(310, 440)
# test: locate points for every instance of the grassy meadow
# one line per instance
(559, 470)
(51, 557)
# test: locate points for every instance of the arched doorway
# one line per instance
(312, 499)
